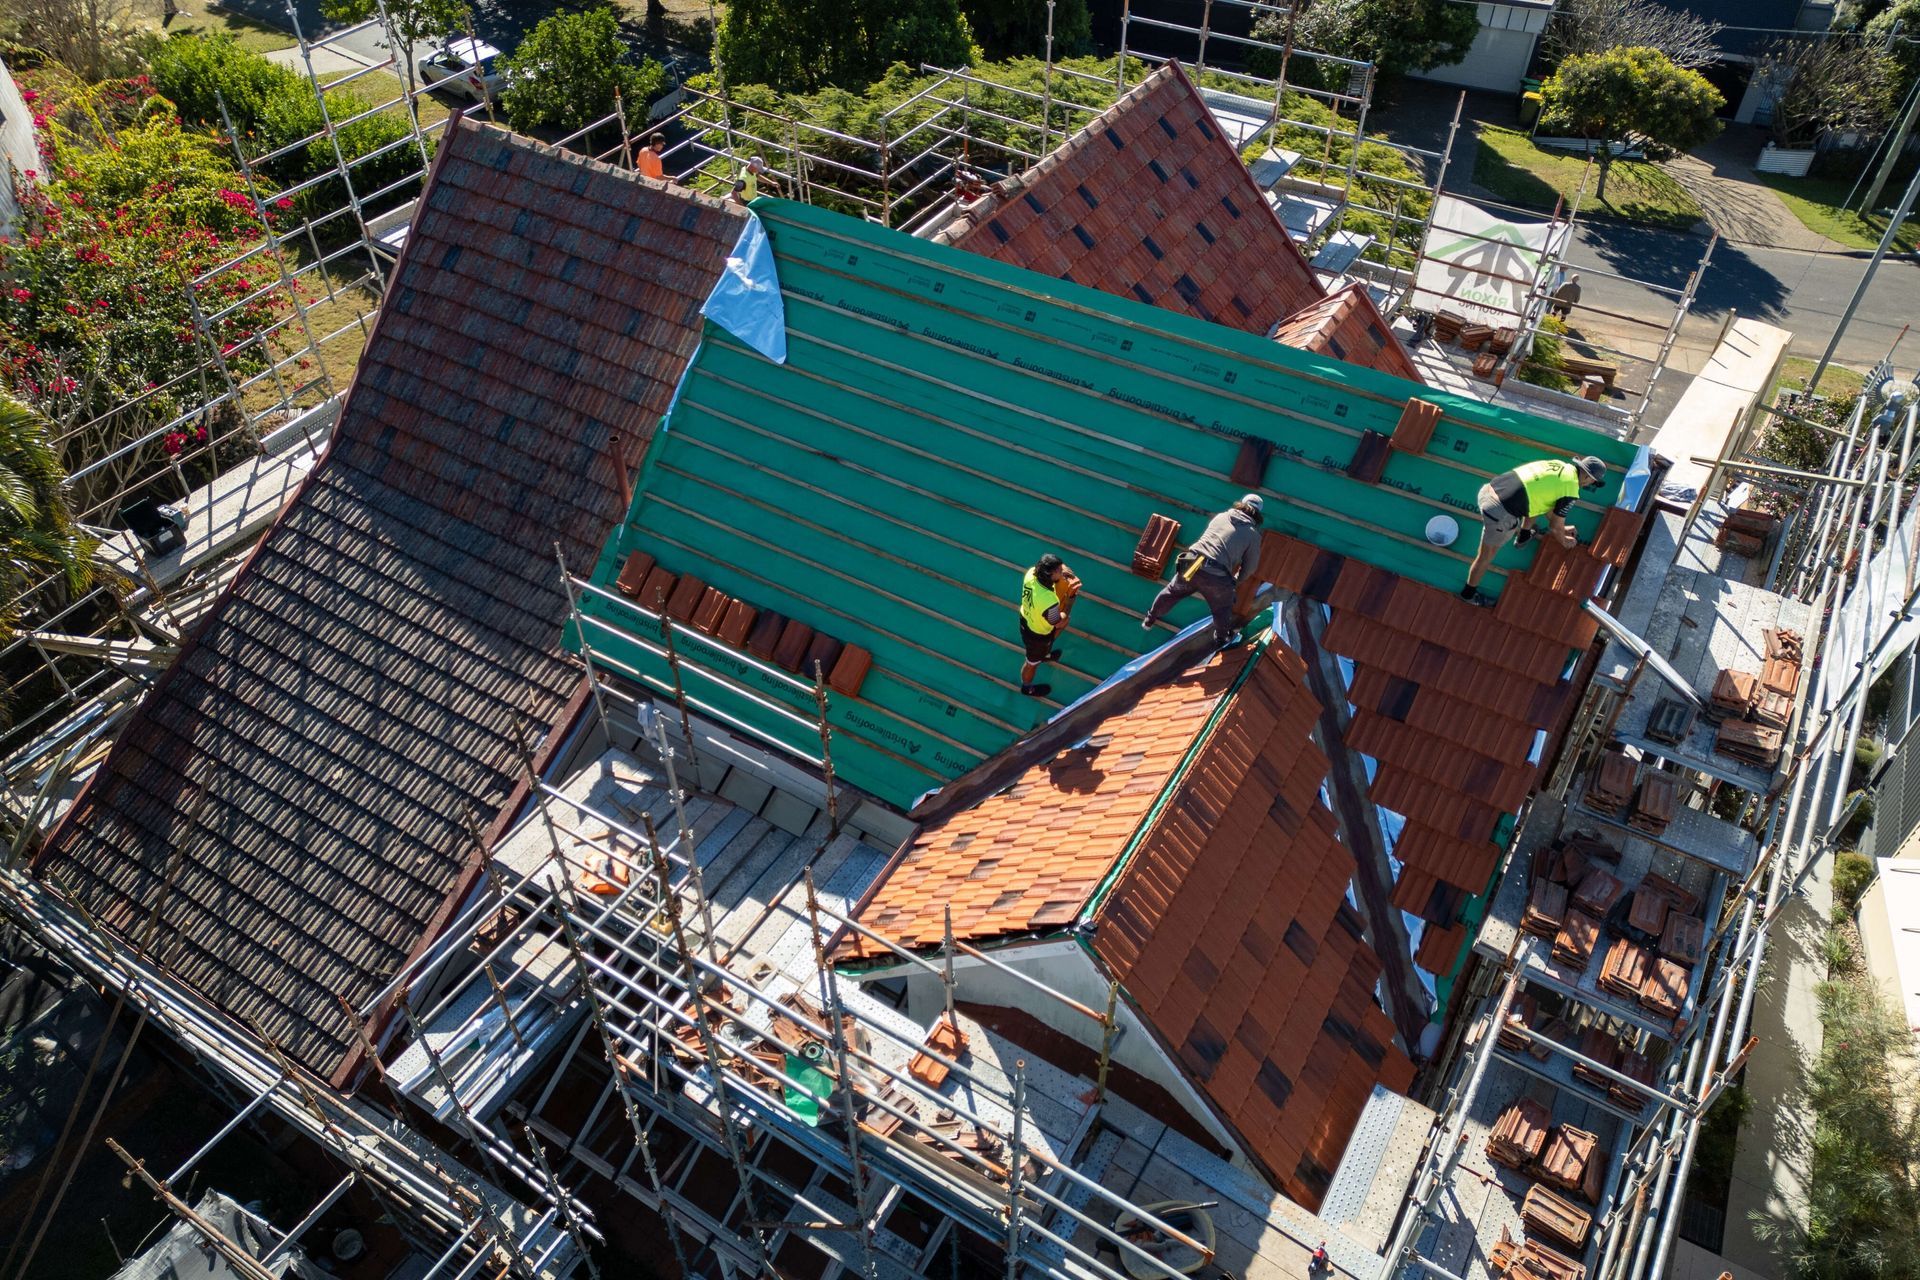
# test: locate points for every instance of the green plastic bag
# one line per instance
(817, 1083)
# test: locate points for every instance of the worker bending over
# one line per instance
(1513, 500)
(1046, 598)
(1213, 567)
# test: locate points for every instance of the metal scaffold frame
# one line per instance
(1800, 821)
(669, 1009)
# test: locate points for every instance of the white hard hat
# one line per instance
(1251, 502)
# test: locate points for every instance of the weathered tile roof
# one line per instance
(1149, 201)
(300, 794)
(1229, 929)
(1450, 698)
(1348, 326)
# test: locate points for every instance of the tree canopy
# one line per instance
(799, 46)
(1018, 28)
(1626, 96)
(565, 73)
(1397, 36)
(1837, 83)
(1594, 26)
(1904, 48)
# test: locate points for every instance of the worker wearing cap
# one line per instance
(1513, 500)
(1046, 598)
(1226, 551)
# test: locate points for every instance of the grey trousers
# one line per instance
(1217, 589)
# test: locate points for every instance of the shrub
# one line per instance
(565, 73)
(1545, 365)
(1852, 873)
(273, 107)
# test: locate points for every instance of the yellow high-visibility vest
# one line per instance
(1035, 599)
(1547, 482)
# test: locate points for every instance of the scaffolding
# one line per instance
(1787, 822)
(724, 1027)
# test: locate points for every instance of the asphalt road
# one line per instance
(1803, 292)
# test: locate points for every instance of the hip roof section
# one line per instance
(1149, 201)
(286, 815)
(942, 420)
(1348, 326)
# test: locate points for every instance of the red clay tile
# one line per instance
(737, 623)
(764, 638)
(1139, 236)
(711, 610)
(1415, 429)
(633, 574)
(823, 651)
(1348, 326)
(850, 671)
(686, 597)
(659, 586)
(1614, 540)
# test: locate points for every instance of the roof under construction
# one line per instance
(942, 420)
(284, 819)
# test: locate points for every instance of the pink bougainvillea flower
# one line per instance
(283, 202)
(174, 442)
(199, 435)
(28, 95)
(23, 295)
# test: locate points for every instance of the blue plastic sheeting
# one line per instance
(746, 299)
(1635, 482)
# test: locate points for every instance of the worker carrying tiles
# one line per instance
(1513, 500)
(1226, 551)
(1046, 599)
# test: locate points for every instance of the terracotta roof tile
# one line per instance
(1053, 836)
(1348, 326)
(1171, 217)
(1242, 881)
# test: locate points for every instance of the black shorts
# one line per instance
(1038, 646)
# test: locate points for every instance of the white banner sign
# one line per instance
(1481, 266)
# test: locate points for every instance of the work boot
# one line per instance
(1526, 534)
(1053, 655)
(1227, 642)
(1472, 596)
(1036, 690)
(1146, 623)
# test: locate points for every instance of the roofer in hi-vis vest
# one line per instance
(1513, 500)
(1046, 598)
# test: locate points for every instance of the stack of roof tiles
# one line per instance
(294, 804)
(1223, 911)
(1149, 201)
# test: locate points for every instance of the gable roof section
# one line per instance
(1029, 858)
(297, 792)
(942, 420)
(1348, 326)
(1229, 929)
(1149, 201)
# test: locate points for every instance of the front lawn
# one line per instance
(1512, 169)
(1816, 202)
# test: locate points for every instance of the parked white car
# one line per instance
(468, 67)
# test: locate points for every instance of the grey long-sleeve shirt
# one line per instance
(1231, 543)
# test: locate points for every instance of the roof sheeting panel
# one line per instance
(298, 797)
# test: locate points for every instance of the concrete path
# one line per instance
(329, 61)
(1720, 177)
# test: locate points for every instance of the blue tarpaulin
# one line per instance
(746, 299)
